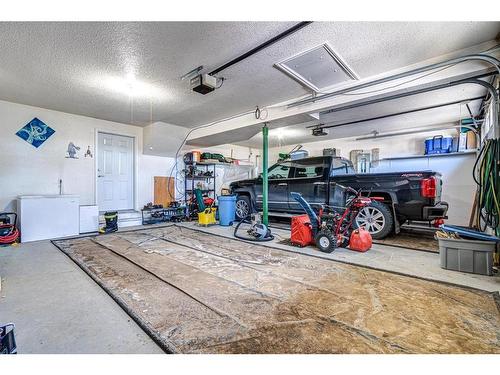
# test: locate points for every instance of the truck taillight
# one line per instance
(428, 187)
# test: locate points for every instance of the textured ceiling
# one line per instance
(80, 67)
(247, 134)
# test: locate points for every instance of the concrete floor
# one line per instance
(57, 308)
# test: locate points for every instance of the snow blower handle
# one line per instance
(348, 189)
(353, 191)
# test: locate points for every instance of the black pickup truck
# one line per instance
(406, 195)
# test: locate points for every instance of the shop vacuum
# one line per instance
(256, 232)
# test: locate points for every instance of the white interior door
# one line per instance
(115, 172)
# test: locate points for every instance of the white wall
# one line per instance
(458, 185)
(162, 139)
(25, 169)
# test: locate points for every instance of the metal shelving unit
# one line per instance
(191, 181)
(160, 215)
(457, 153)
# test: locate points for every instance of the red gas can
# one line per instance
(361, 240)
(301, 231)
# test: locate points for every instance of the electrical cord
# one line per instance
(393, 86)
(222, 79)
(175, 170)
(409, 81)
(258, 113)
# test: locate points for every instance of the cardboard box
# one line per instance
(471, 140)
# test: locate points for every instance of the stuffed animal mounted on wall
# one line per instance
(72, 150)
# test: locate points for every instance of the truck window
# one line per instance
(308, 168)
(341, 167)
(278, 171)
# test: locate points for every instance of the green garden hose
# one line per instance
(488, 181)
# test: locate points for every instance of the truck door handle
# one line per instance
(282, 184)
(319, 183)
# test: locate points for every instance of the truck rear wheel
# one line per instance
(243, 207)
(376, 218)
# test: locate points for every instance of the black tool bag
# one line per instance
(7, 339)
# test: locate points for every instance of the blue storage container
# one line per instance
(438, 145)
(227, 209)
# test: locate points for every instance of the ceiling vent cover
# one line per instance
(318, 68)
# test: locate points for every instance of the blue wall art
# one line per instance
(35, 132)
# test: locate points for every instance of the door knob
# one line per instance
(100, 175)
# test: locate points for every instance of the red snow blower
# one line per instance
(331, 228)
(8, 231)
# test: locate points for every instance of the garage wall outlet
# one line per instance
(203, 83)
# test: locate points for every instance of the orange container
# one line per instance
(361, 240)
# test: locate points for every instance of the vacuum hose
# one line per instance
(486, 175)
(265, 235)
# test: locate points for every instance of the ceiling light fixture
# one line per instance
(130, 86)
(280, 133)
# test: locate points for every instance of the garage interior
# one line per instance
(250, 187)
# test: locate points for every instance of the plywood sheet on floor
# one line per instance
(201, 293)
(411, 240)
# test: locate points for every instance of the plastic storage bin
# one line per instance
(299, 154)
(438, 145)
(467, 255)
(227, 209)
